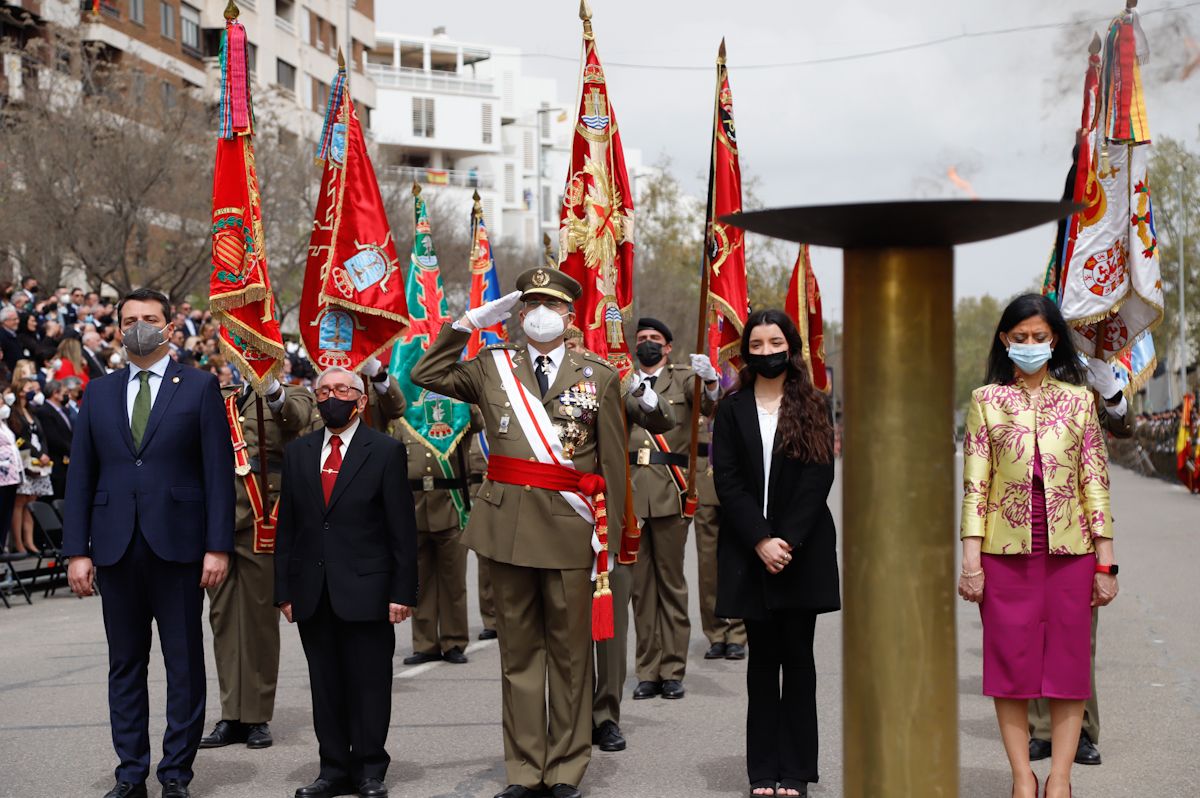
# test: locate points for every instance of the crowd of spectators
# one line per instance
(52, 343)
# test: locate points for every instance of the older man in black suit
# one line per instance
(345, 571)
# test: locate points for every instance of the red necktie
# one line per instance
(333, 463)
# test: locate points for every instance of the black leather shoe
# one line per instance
(174, 788)
(127, 789)
(324, 788)
(565, 791)
(672, 688)
(226, 732)
(715, 651)
(1086, 753)
(1038, 749)
(735, 651)
(488, 634)
(372, 788)
(421, 657)
(608, 736)
(516, 791)
(259, 736)
(646, 690)
(455, 656)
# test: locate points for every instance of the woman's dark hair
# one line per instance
(1064, 362)
(805, 430)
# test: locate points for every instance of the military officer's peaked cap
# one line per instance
(647, 323)
(548, 282)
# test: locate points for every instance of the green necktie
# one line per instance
(141, 409)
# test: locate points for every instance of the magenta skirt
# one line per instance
(1037, 619)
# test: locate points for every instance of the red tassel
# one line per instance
(690, 503)
(602, 615)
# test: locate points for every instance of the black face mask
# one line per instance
(768, 366)
(649, 353)
(337, 413)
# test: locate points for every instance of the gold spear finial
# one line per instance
(341, 58)
(232, 11)
(1094, 47)
(416, 189)
(585, 13)
(477, 209)
(721, 52)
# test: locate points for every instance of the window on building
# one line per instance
(320, 96)
(487, 123)
(189, 27)
(169, 94)
(423, 117)
(510, 183)
(251, 58)
(364, 115)
(544, 121)
(285, 74)
(137, 11)
(530, 151)
(167, 18)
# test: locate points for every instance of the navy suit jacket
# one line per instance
(178, 488)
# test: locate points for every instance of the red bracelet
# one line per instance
(1111, 570)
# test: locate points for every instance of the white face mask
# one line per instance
(39, 399)
(9, 399)
(543, 325)
(5, 412)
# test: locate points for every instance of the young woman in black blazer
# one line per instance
(772, 455)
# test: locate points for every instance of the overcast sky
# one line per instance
(883, 126)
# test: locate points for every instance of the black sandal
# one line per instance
(762, 785)
(792, 784)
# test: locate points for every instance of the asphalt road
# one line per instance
(445, 736)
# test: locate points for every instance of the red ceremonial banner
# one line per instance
(726, 251)
(353, 307)
(596, 223)
(239, 286)
(803, 305)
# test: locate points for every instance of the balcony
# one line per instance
(464, 178)
(388, 77)
(285, 25)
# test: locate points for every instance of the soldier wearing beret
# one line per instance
(659, 463)
(556, 467)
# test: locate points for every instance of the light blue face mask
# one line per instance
(1029, 358)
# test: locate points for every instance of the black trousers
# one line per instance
(781, 725)
(138, 589)
(350, 670)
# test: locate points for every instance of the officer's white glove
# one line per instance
(493, 312)
(272, 387)
(1100, 377)
(704, 368)
(371, 367)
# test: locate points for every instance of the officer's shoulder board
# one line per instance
(592, 357)
(503, 345)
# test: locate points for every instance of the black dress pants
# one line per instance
(139, 589)
(350, 670)
(781, 725)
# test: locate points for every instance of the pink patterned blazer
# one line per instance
(998, 451)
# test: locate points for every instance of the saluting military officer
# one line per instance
(726, 636)
(553, 422)
(659, 463)
(439, 628)
(242, 613)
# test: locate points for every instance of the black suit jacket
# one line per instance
(57, 432)
(797, 511)
(12, 348)
(94, 366)
(362, 547)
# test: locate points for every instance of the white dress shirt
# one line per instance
(767, 424)
(345, 435)
(157, 371)
(556, 358)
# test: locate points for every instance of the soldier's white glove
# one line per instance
(647, 398)
(493, 312)
(271, 388)
(704, 368)
(371, 367)
(1100, 377)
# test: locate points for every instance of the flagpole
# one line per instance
(691, 502)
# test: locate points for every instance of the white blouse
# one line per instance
(767, 424)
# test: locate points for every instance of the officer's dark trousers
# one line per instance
(138, 589)
(781, 725)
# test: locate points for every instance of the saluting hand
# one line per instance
(216, 566)
(398, 613)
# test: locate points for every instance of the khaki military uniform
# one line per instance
(440, 618)
(540, 552)
(242, 613)
(477, 463)
(384, 408)
(612, 656)
(660, 601)
(1039, 709)
(708, 522)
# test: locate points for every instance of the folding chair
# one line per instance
(49, 529)
(14, 578)
(60, 507)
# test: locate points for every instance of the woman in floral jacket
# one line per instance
(1036, 532)
(11, 469)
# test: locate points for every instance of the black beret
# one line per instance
(647, 323)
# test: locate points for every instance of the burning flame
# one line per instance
(961, 183)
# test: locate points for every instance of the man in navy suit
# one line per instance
(149, 516)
